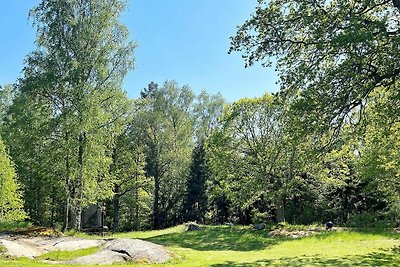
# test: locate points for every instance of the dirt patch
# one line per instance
(296, 233)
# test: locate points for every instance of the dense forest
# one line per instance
(325, 147)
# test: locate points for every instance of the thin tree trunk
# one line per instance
(156, 212)
(67, 186)
(72, 212)
(280, 209)
(53, 205)
(78, 217)
(78, 202)
(116, 208)
(137, 223)
(66, 214)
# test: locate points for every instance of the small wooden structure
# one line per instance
(93, 220)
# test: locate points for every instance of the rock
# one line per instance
(21, 250)
(295, 233)
(32, 247)
(259, 226)
(192, 227)
(113, 251)
(122, 250)
(104, 257)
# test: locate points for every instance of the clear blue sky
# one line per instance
(182, 40)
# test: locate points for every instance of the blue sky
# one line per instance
(182, 40)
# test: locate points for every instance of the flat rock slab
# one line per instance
(32, 247)
(113, 251)
(122, 250)
(18, 249)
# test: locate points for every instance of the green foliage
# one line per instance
(131, 200)
(70, 107)
(379, 152)
(331, 55)
(164, 123)
(11, 202)
(249, 157)
(14, 226)
(259, 217)
(368, 219)
(326, 147)
(338, 63)
(71, 232)
(6, 98)
(195, 205)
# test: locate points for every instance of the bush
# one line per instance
(259, 217)
(12, 226)
(369, 219)
(71, 232)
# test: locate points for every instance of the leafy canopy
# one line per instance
(330, 54)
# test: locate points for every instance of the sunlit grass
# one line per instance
(149, 234)
(59, 255)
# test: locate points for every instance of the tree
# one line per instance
(27, 133)
(379, 153)
(6, 98)
(331, 55)
(165, 124)
(130, 181)
(75, 76)
(248, 154)
(11, 203)
(207, 110)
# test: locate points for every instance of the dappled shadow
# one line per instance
(384, 258)
(212, 239)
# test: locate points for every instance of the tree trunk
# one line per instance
(66, 214)
(116, 208)
(156, 212)
(68, 187)
(280, 209)
(137, 223)
(78, 217)
(79, 195)
(72, 216)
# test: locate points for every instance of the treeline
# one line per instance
(326, 147)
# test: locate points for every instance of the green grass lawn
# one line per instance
(221, 246)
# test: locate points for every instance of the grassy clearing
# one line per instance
(150, 234)
(222, 246)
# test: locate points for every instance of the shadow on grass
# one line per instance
(211, 239)
(390, 258)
